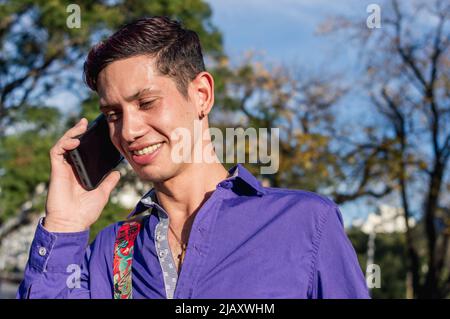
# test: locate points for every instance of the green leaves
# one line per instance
(24, 164)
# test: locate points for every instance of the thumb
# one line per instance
(108, 184)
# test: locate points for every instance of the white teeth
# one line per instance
(147, 150)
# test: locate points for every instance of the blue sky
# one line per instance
(283, 29)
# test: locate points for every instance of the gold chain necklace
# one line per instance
(183, 248)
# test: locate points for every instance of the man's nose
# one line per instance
(132, 126)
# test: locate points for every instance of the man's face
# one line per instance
(143, 109)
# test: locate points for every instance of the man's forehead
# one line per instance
(112, 90)
(125, 73)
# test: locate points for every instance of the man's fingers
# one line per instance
(78, 129)
(68, 141)
(64, 145)
(68, 145)
(108, 184)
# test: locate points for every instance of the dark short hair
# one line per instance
(176, 50)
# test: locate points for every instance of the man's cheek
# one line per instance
(115, 139)
(114, 135)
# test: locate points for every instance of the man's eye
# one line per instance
(112, 116)
(147, 105)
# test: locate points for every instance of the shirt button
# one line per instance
(226, 184)
(162, 254)
(42, 251)
(158, 237)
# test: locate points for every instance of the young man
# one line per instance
(209, 232)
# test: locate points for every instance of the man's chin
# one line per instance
(151, 173)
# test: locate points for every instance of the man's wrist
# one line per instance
(57, 226)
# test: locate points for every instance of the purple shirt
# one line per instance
(247, 241)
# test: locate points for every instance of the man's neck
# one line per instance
(183, 195)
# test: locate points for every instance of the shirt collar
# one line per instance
(242, 182)
(247, 181)
(149, 200)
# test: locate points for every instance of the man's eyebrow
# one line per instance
(107, 107)
(140, 93)
(131, 97)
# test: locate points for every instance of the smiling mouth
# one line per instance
(147, 150)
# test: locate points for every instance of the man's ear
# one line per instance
(203, 86)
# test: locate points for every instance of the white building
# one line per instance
(386, 219)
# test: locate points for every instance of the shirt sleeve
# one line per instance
(57, 266)
(336, 271)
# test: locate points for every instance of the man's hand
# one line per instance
(71, 208)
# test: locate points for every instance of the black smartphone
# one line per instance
(96, 155)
